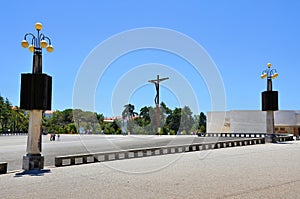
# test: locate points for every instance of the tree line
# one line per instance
(12, 119)
(176, 121)
(72, 121)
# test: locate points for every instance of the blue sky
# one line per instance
(240, 36)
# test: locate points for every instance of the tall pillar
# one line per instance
(34, 135)
(270, 117)
(270, 103)
(270, 122)
(35, 96)
(33, 159)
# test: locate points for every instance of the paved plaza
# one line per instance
(12, 148)
(257, 171)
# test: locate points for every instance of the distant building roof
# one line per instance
(49, 112)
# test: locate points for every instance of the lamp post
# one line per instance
(270, 102)
(156, 99)
(35, 96)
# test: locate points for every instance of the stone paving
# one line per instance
(257, 171)
(13, 148)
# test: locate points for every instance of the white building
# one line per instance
(252, 121)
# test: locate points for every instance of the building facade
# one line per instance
(252, 121)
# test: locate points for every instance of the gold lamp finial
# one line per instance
(43, 43)
(38, 26)
(24, 43)
(275, 75)
(50, 48)
(31, 48)
(264, 75)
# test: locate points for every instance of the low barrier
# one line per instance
(9, 134)
(153, 151)
(3, 168)
(283, 138)
(279, 137)
(239, 135)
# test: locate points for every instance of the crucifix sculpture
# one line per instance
(156, 99)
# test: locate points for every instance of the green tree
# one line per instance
(100, 118)
(173, 120)
(180, 120)
(187, 120)
(70, 128)
(19, 120)
(127, 114)
(128, 111)
(202, 122)
(116, 124)
(70, 120)
(146, 121)
(202, 129)
(144, 116)
(67, 116)
(166, 109)
(5, 114)
(12, 118)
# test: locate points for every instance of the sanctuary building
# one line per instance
(252, 121)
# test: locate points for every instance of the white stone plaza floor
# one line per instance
(257, 171)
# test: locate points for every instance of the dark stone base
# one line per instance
(33, 162)
(3, 167)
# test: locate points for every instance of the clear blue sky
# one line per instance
(241, 37)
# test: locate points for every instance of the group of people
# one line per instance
(52, 137)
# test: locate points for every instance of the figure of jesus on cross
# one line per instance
(156, 99)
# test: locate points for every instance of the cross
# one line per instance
(156, 99)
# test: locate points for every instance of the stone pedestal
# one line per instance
(33, 162)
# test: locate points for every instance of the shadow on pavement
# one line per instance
(33, 173)
(283, 143)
